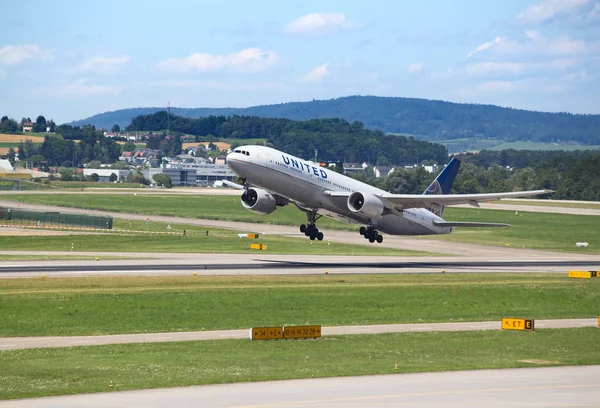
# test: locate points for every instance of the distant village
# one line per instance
(197, 165)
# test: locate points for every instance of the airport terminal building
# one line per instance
(197, 174)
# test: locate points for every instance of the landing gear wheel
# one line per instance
(320, 236)
(312, 237)
(379, 239)
(362, 231)
(371, 239)
(303, 228)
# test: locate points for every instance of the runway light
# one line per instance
(97, 259)
(396, 367)
(507, 245)
(443, 271)
(326, 271)
(195, 273)
(43, 276)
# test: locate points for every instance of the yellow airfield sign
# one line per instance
(509, 323)
(266, 333)
(301, 332)
(582, 274)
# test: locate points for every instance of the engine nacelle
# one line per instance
(259, 201)
(365, 204)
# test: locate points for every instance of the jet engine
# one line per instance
(365, 204)
(259, 201)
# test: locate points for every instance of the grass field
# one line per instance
(43, 372)
(92, 184)
(541, 146)
(195, 241)
(549, 203)
(16, 139)
(556, 232)
(545, 231)
(85, 306)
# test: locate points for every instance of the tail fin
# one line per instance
(443, 183)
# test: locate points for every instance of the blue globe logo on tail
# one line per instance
(443, 184)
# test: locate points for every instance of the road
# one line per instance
(521, 387)
(17, 343)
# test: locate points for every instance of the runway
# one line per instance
(520, 387)
(18, 343)
(243, 264)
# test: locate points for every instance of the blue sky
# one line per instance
(71, 59)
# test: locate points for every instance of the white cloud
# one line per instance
(318, 23)
(317, 74)
(486, 68)
(103, 65)
(247, 60)
(15, 54)
(219, 85)
(594, 13)
(485, 46)
(535, 44)
(517, 68)
(548, 9)
(416, 67)
(498, 86)
(78, 88)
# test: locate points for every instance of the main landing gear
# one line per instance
(371, 234)
(311, 229)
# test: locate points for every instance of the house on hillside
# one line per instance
(353, 168)
(126, 157)
(382, 171)
(27, 126)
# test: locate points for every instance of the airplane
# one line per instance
(272, 178)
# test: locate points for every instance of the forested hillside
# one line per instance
(572, 175)
(335, 139)
(426, 119)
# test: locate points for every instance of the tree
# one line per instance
(137, 178)
(113, 177)
(163, 180)
(129, 147)
(66, 174)
(116, 128)
(21, 151)
(40, 124)
(11, 155)
(94, 164)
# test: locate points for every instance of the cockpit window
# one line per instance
(237, 151)
(247, 153)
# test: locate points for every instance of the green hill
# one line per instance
(425, 119)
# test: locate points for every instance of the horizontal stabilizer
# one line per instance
(468, 224)
(227, 183)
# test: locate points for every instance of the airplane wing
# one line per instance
(403, 201)
(469, 224)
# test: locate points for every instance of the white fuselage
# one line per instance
(305, 183)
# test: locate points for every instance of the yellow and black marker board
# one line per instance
(301, 332)
(582, 274)
(509, 323)
(266, 333)
(260, 247)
